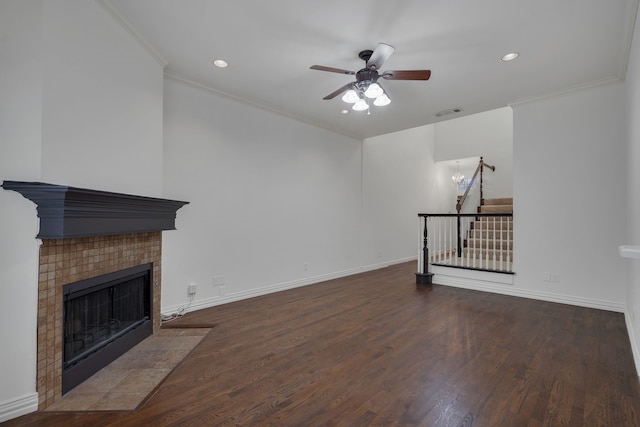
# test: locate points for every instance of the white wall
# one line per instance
(632, 89)
(570, 196)
(400, 179)
(274, 203)
(20, 130)
(488, 134)
(81, 105)
(102, 103)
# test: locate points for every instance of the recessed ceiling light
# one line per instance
(510, 57)
(220, 63)
(344, 112)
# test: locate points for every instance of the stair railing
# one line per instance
(470, 201)
(472, 184)
(486, 243)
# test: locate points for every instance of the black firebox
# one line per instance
(104, 317)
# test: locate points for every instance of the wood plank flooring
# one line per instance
(376, 350)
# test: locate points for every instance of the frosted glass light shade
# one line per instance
(382, 100)
(373, 91)
(350, 96)
(360, 105)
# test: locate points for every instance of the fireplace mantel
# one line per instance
(69, 212)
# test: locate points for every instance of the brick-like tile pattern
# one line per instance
(64, 261)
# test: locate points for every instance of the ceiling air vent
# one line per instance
(449, 111)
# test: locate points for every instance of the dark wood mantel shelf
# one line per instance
(67, 212)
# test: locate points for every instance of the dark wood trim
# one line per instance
(473, 268)
(424, 278)
(67, 212)
(479, 215)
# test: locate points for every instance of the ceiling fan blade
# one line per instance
(407, 75)
(382, 52)
(337, 92)
(331, 69)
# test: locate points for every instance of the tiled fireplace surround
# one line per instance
(87, 233)
(64, 261)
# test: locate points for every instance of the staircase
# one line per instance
(491, 238)
(478, 237)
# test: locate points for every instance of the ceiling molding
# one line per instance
(256, 105)
(629, 27)
(566, 91)
(128, 27)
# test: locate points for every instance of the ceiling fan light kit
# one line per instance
(373, 91)
(366, 84)
(360, 105)
(350, 96)
(382, 100)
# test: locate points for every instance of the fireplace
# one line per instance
(91, 237)
(103, 317)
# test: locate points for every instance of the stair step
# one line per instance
(505, 255)
(491, 224)
(488, 244)
(496, 209)
(485, 233)
(498, 201)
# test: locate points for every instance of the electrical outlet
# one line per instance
(551, 277)
(191, 289)
(222, 290)
(306, 266)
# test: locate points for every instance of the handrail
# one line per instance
(460, 202)
(468, 215)
(480, 168)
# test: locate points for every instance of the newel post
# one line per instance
(424, 277)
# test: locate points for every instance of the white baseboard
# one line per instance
(503, 284)
(632, 340)
(225, 299)
(18, 407)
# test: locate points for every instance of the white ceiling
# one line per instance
(270, 45)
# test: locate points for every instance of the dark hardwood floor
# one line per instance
(374, 349)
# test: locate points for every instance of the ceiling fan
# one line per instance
(366, 84)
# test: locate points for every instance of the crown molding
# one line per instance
(256, 105)
(566, 91)
(629, 25)
(128, 27)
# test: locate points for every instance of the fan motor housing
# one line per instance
(367, 74)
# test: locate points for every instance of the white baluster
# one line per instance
(501, 241)
(449, 242)
(482, 243)
(473, 254)
(495, 245)
(440, 241)
(511, 240)
(430, 239)
(465, 220)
